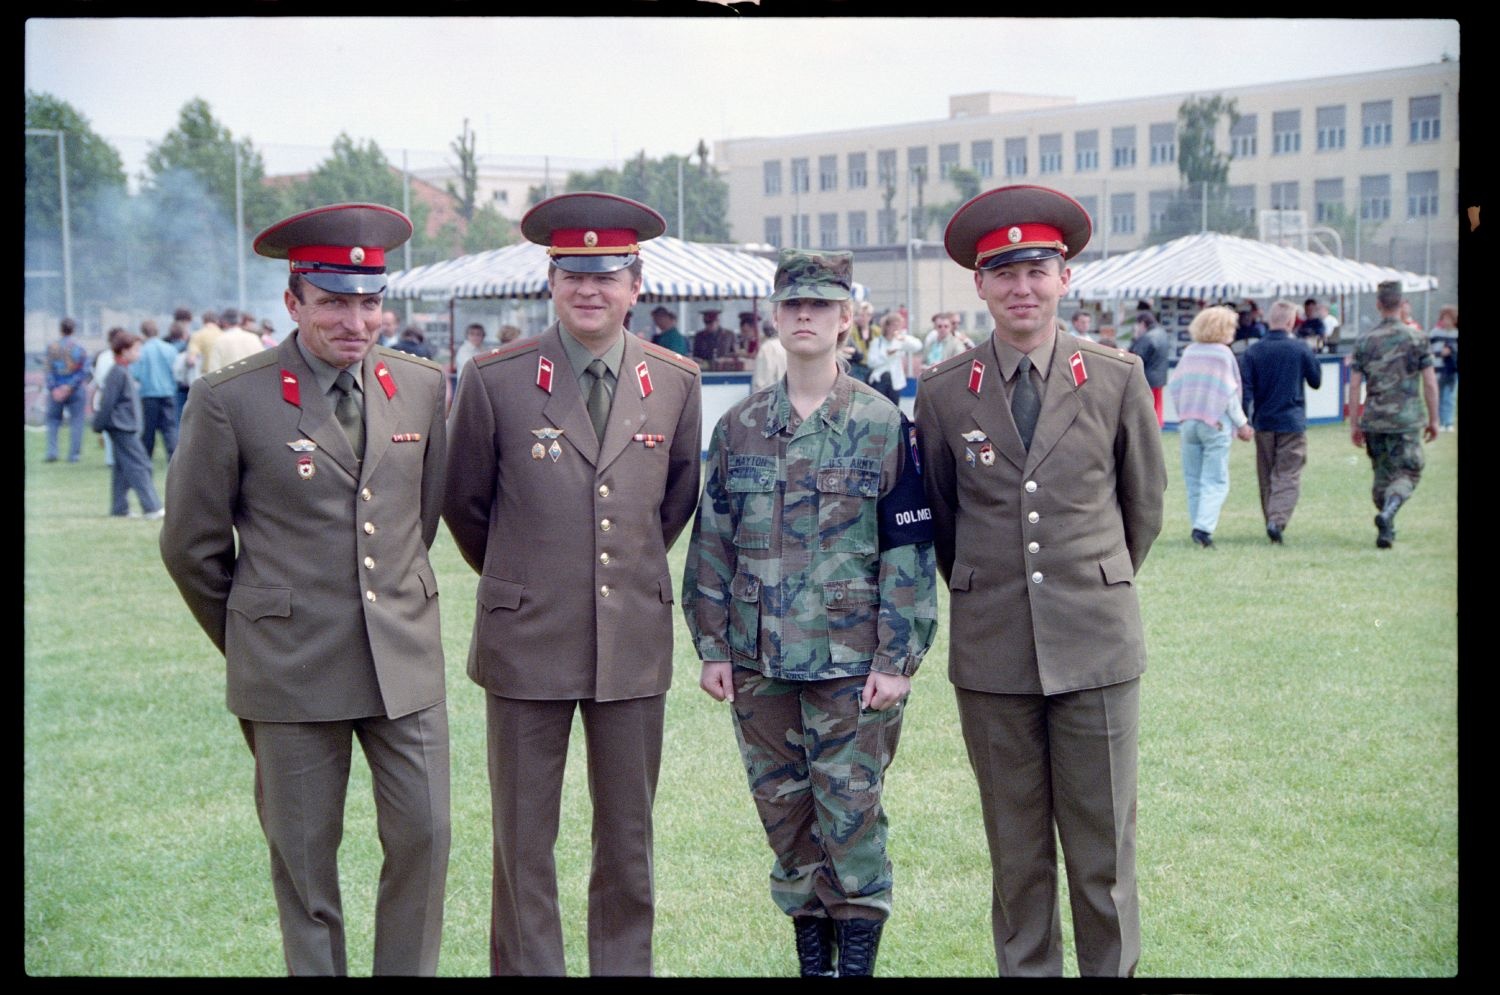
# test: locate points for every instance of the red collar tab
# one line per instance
(1031, 235)
(593, 241)
(290, 392)
(544, 373)
(644, 376)
(976, 377)
(387, 382)
(371, 256)
(1075, 365)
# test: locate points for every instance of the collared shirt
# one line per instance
(1010, 361)
(579, 357)
(326, 373)
(153, 371)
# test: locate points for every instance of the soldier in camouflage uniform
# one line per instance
(1394, 364)
(810, 593)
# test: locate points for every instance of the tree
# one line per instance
(1204, 194)
(488, 229)
(356, 172)
(966, 181)
(653, 182)
(468, 171)
(205, 149)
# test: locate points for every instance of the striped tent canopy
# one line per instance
(674, 271)
(1210, 266)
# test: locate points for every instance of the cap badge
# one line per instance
(590, 239)
(356, 255)
(1014, 234)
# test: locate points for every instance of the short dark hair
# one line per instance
(294, 285)
(473, 325)
(148, 329)
(68, 326)
(182, 314)
(212, 317)
(120, 340)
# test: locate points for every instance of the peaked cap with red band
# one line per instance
(339, 248)
(1010, 224)
(591, 232)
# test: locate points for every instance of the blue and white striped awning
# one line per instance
(674, 270)
(1210, 266)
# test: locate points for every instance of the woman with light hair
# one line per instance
(1205, 390)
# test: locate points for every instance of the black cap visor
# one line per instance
(1019, 256)
(593, 264)
(343, 282)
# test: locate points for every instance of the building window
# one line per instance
(1374, 198)
(916, 163)
(802, 226)
(1015, 157)
(947, 159)
(885, 221)
(858, 235)
(1122, 214)
(1421, 195)
(1049, 153)
(858, 177)
(1242, 137)
(1164, 143)
(983, 153)
(1284, 197)
(773, 178)
(773, 232)
(1085, 151)
(1328, 199)
(885, 166)
(828, 172)
(1330, 128)
(1425, 113)
(1090, 207)
(1242, 202)
(801, 182)
(1286, 132)
(1122, 147)
(1157, 203)
(828, 230)
(1375, 124)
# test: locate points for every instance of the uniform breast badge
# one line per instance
(968, 456)
(648, 440)
(987, 454)
(302, 446)
(977, 435)
(547, 434)
(305, 468)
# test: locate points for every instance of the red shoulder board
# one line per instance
(976, 377)
(644, 376)
(544, 373)
(1075, 364)
(290, 392)
(386, 382)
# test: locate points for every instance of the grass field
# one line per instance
(1298, 807)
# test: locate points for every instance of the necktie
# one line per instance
(1025, 405)
(598, 399)
(349, 412)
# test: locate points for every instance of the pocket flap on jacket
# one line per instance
(429, 581)
(848, 593)
(1117, 569)
(960, 577)
(496, 593)
(260, 602)
(745, 587)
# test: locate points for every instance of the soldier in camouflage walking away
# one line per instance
(810, 593)
(1394, 364)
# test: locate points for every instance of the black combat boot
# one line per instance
(815, 939)
(1385, 522)
(858, 941)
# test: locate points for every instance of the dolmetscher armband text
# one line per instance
(905, 517)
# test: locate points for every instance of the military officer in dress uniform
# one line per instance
(1043, 466)
(575, 466)
(325, 456)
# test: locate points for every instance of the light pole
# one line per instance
(67, 242)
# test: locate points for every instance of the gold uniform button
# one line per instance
(365, 494)
(370, 596)
(604, 591)
(1031, 487)
(604, 490)
(369, 563)
(604, 558)
(1036, 578)
(1033, 547)
(606, 525)
(1033, 518)
(369, 528)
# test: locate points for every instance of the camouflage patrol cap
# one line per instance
(1388, 294)
(803, 273)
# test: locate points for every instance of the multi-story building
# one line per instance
(1372, 156)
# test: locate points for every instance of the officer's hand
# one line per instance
(884, 690)
(718, 680)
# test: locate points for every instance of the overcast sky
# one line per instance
(604, 88)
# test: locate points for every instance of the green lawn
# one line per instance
(1298, 806)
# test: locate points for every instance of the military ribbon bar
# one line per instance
(1075, 364)
(644, 376)
(387, 383)
(290, 392)
(544, 373)
(976, 377)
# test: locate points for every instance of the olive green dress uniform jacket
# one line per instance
(574, 598)
(329, 609)
(1040, 548)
